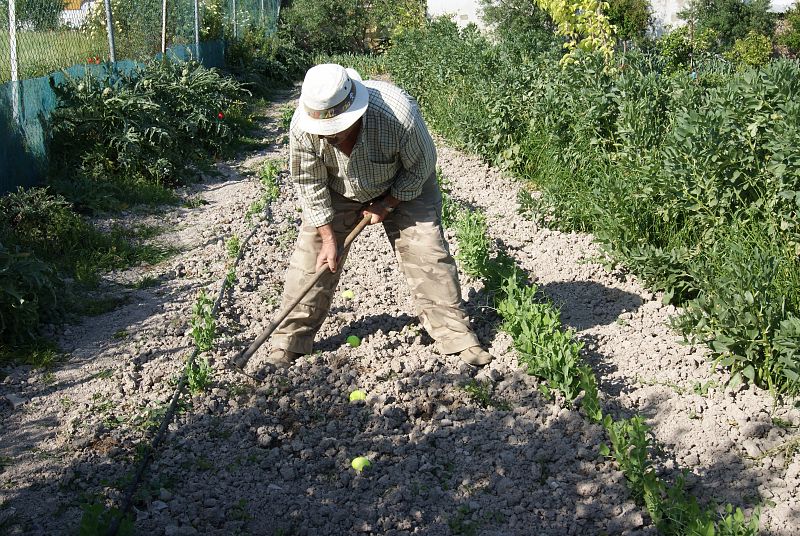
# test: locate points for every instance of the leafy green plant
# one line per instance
(481, 393)
(673, 510)
(198, 375)
(790, 37)
(473, 243)
(287, 112)
(97, 519)
(268, 175)
(203, 322)
(449, 207)
(543, 347)
(233, 246)
(148, 125)
(28, 290)
(230, 277)
(753, 50)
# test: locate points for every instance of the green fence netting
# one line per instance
(42, 37)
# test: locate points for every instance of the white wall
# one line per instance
(462, 11)
(665, 14)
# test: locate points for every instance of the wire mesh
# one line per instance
(56, 34)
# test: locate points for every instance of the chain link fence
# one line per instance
(42, 37)
(38, 37)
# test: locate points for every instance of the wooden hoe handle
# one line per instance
(241, 359)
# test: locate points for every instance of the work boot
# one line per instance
(475, 355)
(280, 358)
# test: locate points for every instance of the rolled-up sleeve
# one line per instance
(310, 177)
(418, 159)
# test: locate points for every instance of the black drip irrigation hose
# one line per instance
(133, 487)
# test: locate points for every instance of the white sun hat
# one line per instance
(331, 100)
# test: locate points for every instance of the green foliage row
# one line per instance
(673, 510)
(43, 240)
(673, 171)
(150, 124)
(551, 353)
(261, 61)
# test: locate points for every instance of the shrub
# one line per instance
(791, 36)
(328, 26)
(40, 15)
(511, 19)
(632, 18)
(40, 222)
(681, 49)
(27, 295)
(389, 19)
(754, 50)
(44, 224)
(260, 60)
(731, 19)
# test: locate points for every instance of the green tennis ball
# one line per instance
(357, 395)
(360, 463)
(354, 341)
(348, 294)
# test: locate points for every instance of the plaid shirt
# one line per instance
(394, 153)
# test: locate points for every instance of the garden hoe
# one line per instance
(241, 359)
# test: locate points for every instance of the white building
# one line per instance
(75, 12)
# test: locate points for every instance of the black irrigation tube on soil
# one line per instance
(170, 413)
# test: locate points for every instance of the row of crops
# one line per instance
(690, 179)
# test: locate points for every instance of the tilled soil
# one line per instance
(273, 457)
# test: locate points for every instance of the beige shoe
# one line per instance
(475, 355)
(280, 358)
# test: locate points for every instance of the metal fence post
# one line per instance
(112, 53)
(197, 30)
(164, 27)
(12, 45)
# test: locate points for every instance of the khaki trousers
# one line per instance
(415, 234)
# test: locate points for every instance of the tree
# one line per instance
(631, 18)
(791, 35)
(731, 19)
(583, 24)
(328, 26)
(511, 19)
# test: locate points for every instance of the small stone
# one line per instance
(15, 401)
(751, 448)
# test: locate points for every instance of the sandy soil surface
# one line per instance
(273, 457)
